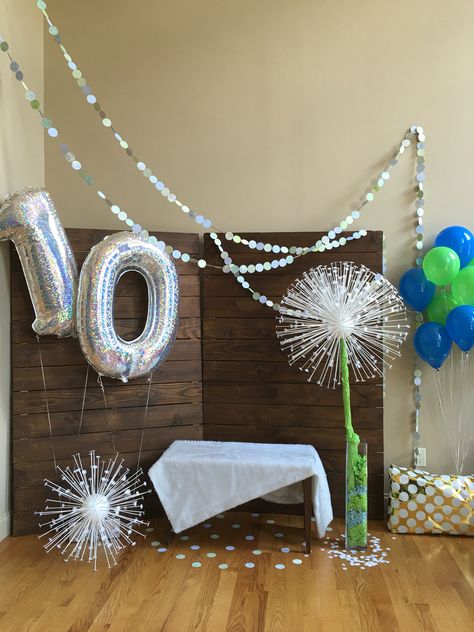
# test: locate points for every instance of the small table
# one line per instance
(307, 501)
(196, 480)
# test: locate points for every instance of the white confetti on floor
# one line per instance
(332, 545)
(374, 555)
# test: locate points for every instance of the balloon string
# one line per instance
(469, 434)
(441, 399)
(451, 381)
(83, 402)
(47, 402)
(150, 380)
(465, 432)
(101, 384)
(459, 418)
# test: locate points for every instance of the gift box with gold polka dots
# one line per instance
(420, 502)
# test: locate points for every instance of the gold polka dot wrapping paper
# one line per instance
(420, 502)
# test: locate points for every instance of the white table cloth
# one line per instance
(195, 480)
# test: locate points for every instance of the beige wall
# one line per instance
(21, 164)
(272, 115)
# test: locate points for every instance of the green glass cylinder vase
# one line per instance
(356, 495)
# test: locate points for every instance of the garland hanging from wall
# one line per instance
(330, 241)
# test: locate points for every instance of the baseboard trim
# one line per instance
(5, 526)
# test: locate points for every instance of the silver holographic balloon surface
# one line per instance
(103, 348)
(28, 218)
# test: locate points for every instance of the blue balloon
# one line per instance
(459, 239)
(432, 343)
(416, 290)
(460, 326)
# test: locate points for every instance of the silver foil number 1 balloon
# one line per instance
(29, 219)
(103, 348)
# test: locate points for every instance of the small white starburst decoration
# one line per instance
(341, 301)
(96, 509)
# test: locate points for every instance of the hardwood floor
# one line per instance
(428, 584)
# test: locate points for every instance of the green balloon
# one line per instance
(440, 307)
(441, 265)
(463, 286)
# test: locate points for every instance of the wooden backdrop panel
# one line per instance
(175, 410)
(250, 391)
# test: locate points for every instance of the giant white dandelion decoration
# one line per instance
(336, 317)
(339, 306)
(96, 509)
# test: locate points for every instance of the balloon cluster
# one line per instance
(448, 266)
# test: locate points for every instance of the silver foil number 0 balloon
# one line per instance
(103, 348)
(29, 219)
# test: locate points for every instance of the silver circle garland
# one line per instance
(328, 242)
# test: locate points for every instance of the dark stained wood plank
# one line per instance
(66, 399)
(282, 394)
(240, 350)
(67, 352)
(28, 496)
(33, 474)
(321, 438)
(126, 441)
(263, 372)
(27, 523)
(30, 378)
(34, 498)
(26, 473)
(124, 307)
(183, 269)
(250, 414)
(239, 328)
(95, 420)
(130, 284)
(275, 284)
(130, 329)
(21, 330)
(375, 506)
(30, 522)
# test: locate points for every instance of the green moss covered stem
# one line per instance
(356, 468)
